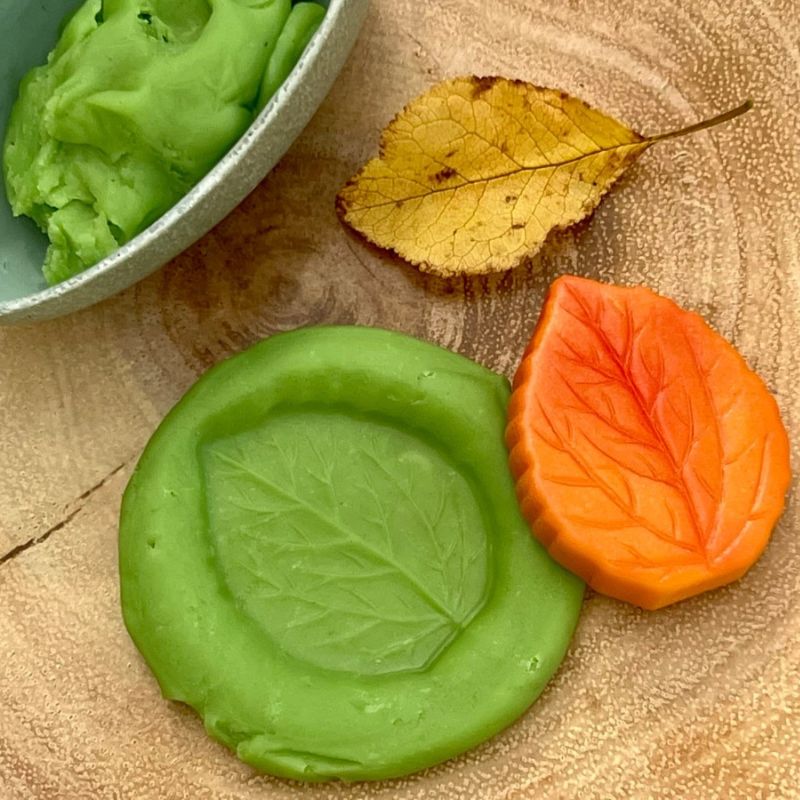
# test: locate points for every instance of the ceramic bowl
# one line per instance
(28, 30)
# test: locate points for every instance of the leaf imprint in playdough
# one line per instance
(474, 174)
(306, 514)
(649, 458)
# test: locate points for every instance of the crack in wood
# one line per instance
(80, 500)
(360, 259)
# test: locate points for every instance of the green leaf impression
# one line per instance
(356, 546)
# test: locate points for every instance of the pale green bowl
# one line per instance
(28, 31)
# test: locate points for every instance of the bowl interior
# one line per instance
(28, 31)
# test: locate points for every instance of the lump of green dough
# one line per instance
(139, 99)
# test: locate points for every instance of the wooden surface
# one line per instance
(698, 701)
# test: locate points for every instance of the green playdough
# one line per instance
(139, 99)
(322, 553)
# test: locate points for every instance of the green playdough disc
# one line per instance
(321, 552)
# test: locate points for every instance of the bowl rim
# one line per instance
(15, 309)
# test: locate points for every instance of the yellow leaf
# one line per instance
(475, 173)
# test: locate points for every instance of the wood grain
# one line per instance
(697, 701)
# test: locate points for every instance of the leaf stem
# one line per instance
(706, 123)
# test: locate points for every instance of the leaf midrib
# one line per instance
(701, 535)
(644, 143)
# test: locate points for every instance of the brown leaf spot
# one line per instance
(443, 174)
(517, 225)
(482, 85)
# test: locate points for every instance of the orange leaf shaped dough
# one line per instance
(649, 458)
